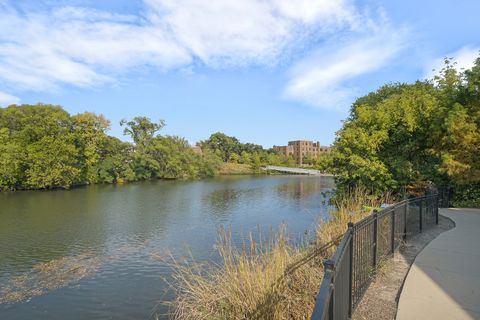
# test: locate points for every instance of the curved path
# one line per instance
(444, 280)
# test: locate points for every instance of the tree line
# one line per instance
(43, 146)
(403, 137)
(230, 149)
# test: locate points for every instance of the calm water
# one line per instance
(116, 233)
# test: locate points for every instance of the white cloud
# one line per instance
(219, 31)
(7, 99)
(78, 46)
(464, 58)
(322, 78)
(306, 11)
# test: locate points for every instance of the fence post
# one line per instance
(375, 238)
(405, 220)
(393, 231)
(421, 214)
(350, 271)
(436, 209)
(329, 267)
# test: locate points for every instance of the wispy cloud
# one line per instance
(7, 99)
(77, 46)
(464, 59)
(322, 79)
(84, 47)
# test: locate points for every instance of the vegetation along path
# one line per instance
(444, 282)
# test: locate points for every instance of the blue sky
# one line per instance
(265, 71)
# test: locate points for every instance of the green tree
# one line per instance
(141, 129)
(175, 157)
(223, 145)
(145, 159)
(245, 157)
(209, 164)
(115, 161)
(457, 129)
(12, 159)
(90, 133)
(43, 137)
(407, 135)
(52, 163)
(42, 146)
(256, 163)
(324, 161)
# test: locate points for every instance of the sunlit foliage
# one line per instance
(410, 134)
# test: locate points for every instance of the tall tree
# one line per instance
(224, 145)
(406, 135)
(142, 131)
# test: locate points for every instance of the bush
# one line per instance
(467, 196)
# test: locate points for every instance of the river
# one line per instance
(93, 252)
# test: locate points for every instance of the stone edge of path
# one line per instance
(380, 301)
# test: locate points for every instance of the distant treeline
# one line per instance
(43, 147)
(404, 137)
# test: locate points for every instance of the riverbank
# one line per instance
(265, 278)
(228, 168)
(224, 169)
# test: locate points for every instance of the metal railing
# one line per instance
(364, 245)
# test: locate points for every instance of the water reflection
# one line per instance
(221, 203)
(300, 189)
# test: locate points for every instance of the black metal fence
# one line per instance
(364, 245)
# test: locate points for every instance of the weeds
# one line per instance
(270, 279)
(49, 276)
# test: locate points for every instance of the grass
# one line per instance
(270, 279)
(350, 207)
(228, 168)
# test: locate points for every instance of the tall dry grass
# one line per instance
(351, 206)
(270, 279)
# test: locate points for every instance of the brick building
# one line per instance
(301, 148)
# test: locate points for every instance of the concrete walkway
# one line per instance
(444, 280)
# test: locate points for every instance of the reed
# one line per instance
(350, 206)
(272, 278)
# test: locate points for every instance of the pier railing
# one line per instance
(364, 245)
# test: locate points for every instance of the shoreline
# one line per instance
(219, 174)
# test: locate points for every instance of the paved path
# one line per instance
(444, 281)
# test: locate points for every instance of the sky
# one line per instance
(265, 71)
